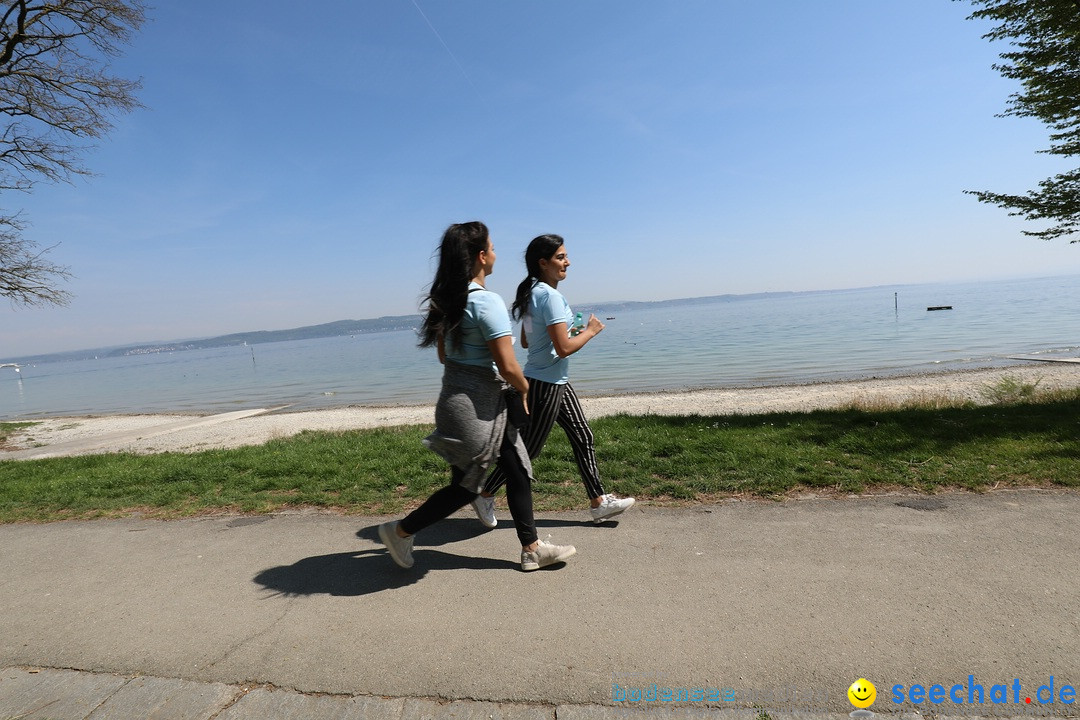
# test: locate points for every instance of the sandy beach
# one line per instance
(63, 436)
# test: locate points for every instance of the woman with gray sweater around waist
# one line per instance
(471, 329)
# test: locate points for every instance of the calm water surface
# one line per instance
(803, 337)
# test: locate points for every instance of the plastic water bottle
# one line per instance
(579, 324)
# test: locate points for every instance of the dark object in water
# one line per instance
(611, 318)
(939, 307)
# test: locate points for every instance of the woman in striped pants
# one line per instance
(549, 333)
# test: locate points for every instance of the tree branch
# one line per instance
(55, 94)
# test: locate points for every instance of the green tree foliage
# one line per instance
(56, 95)
(1044, 36)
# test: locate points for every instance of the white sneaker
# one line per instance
(400, 548)
(485, 510)
(545, 554)
(610, 506)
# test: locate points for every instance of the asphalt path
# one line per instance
(778, 605)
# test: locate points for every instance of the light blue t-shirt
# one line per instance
(547, 306)
(486, 318)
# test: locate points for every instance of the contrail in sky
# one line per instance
(449, 51)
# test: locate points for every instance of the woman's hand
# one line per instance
(594, 326)
(565, 345)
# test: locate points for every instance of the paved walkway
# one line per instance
(775, 605)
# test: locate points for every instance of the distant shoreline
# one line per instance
(342, 328)
(395, 323)
(152, 433)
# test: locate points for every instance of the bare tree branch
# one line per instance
(26, 277)
(56, 95)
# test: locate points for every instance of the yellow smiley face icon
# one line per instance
(862, 693)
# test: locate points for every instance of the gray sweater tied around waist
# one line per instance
(470, 420)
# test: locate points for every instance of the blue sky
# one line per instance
(297, 165)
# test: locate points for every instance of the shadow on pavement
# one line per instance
(554, 522)
(458, 529)
(443, 532)
(366, 571)
(369, 571)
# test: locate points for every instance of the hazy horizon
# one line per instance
(585, 305)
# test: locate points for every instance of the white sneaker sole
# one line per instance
(613, 513)
(562, 557)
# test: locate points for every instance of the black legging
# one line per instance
(448, 500)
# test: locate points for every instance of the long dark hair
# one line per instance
(449, 291)
(541, 248)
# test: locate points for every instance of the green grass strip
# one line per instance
(660, 459)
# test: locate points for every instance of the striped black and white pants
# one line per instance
(550, 404)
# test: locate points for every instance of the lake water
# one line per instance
(732, 342)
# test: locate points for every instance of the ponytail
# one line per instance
(521, 298)
(541, 248)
